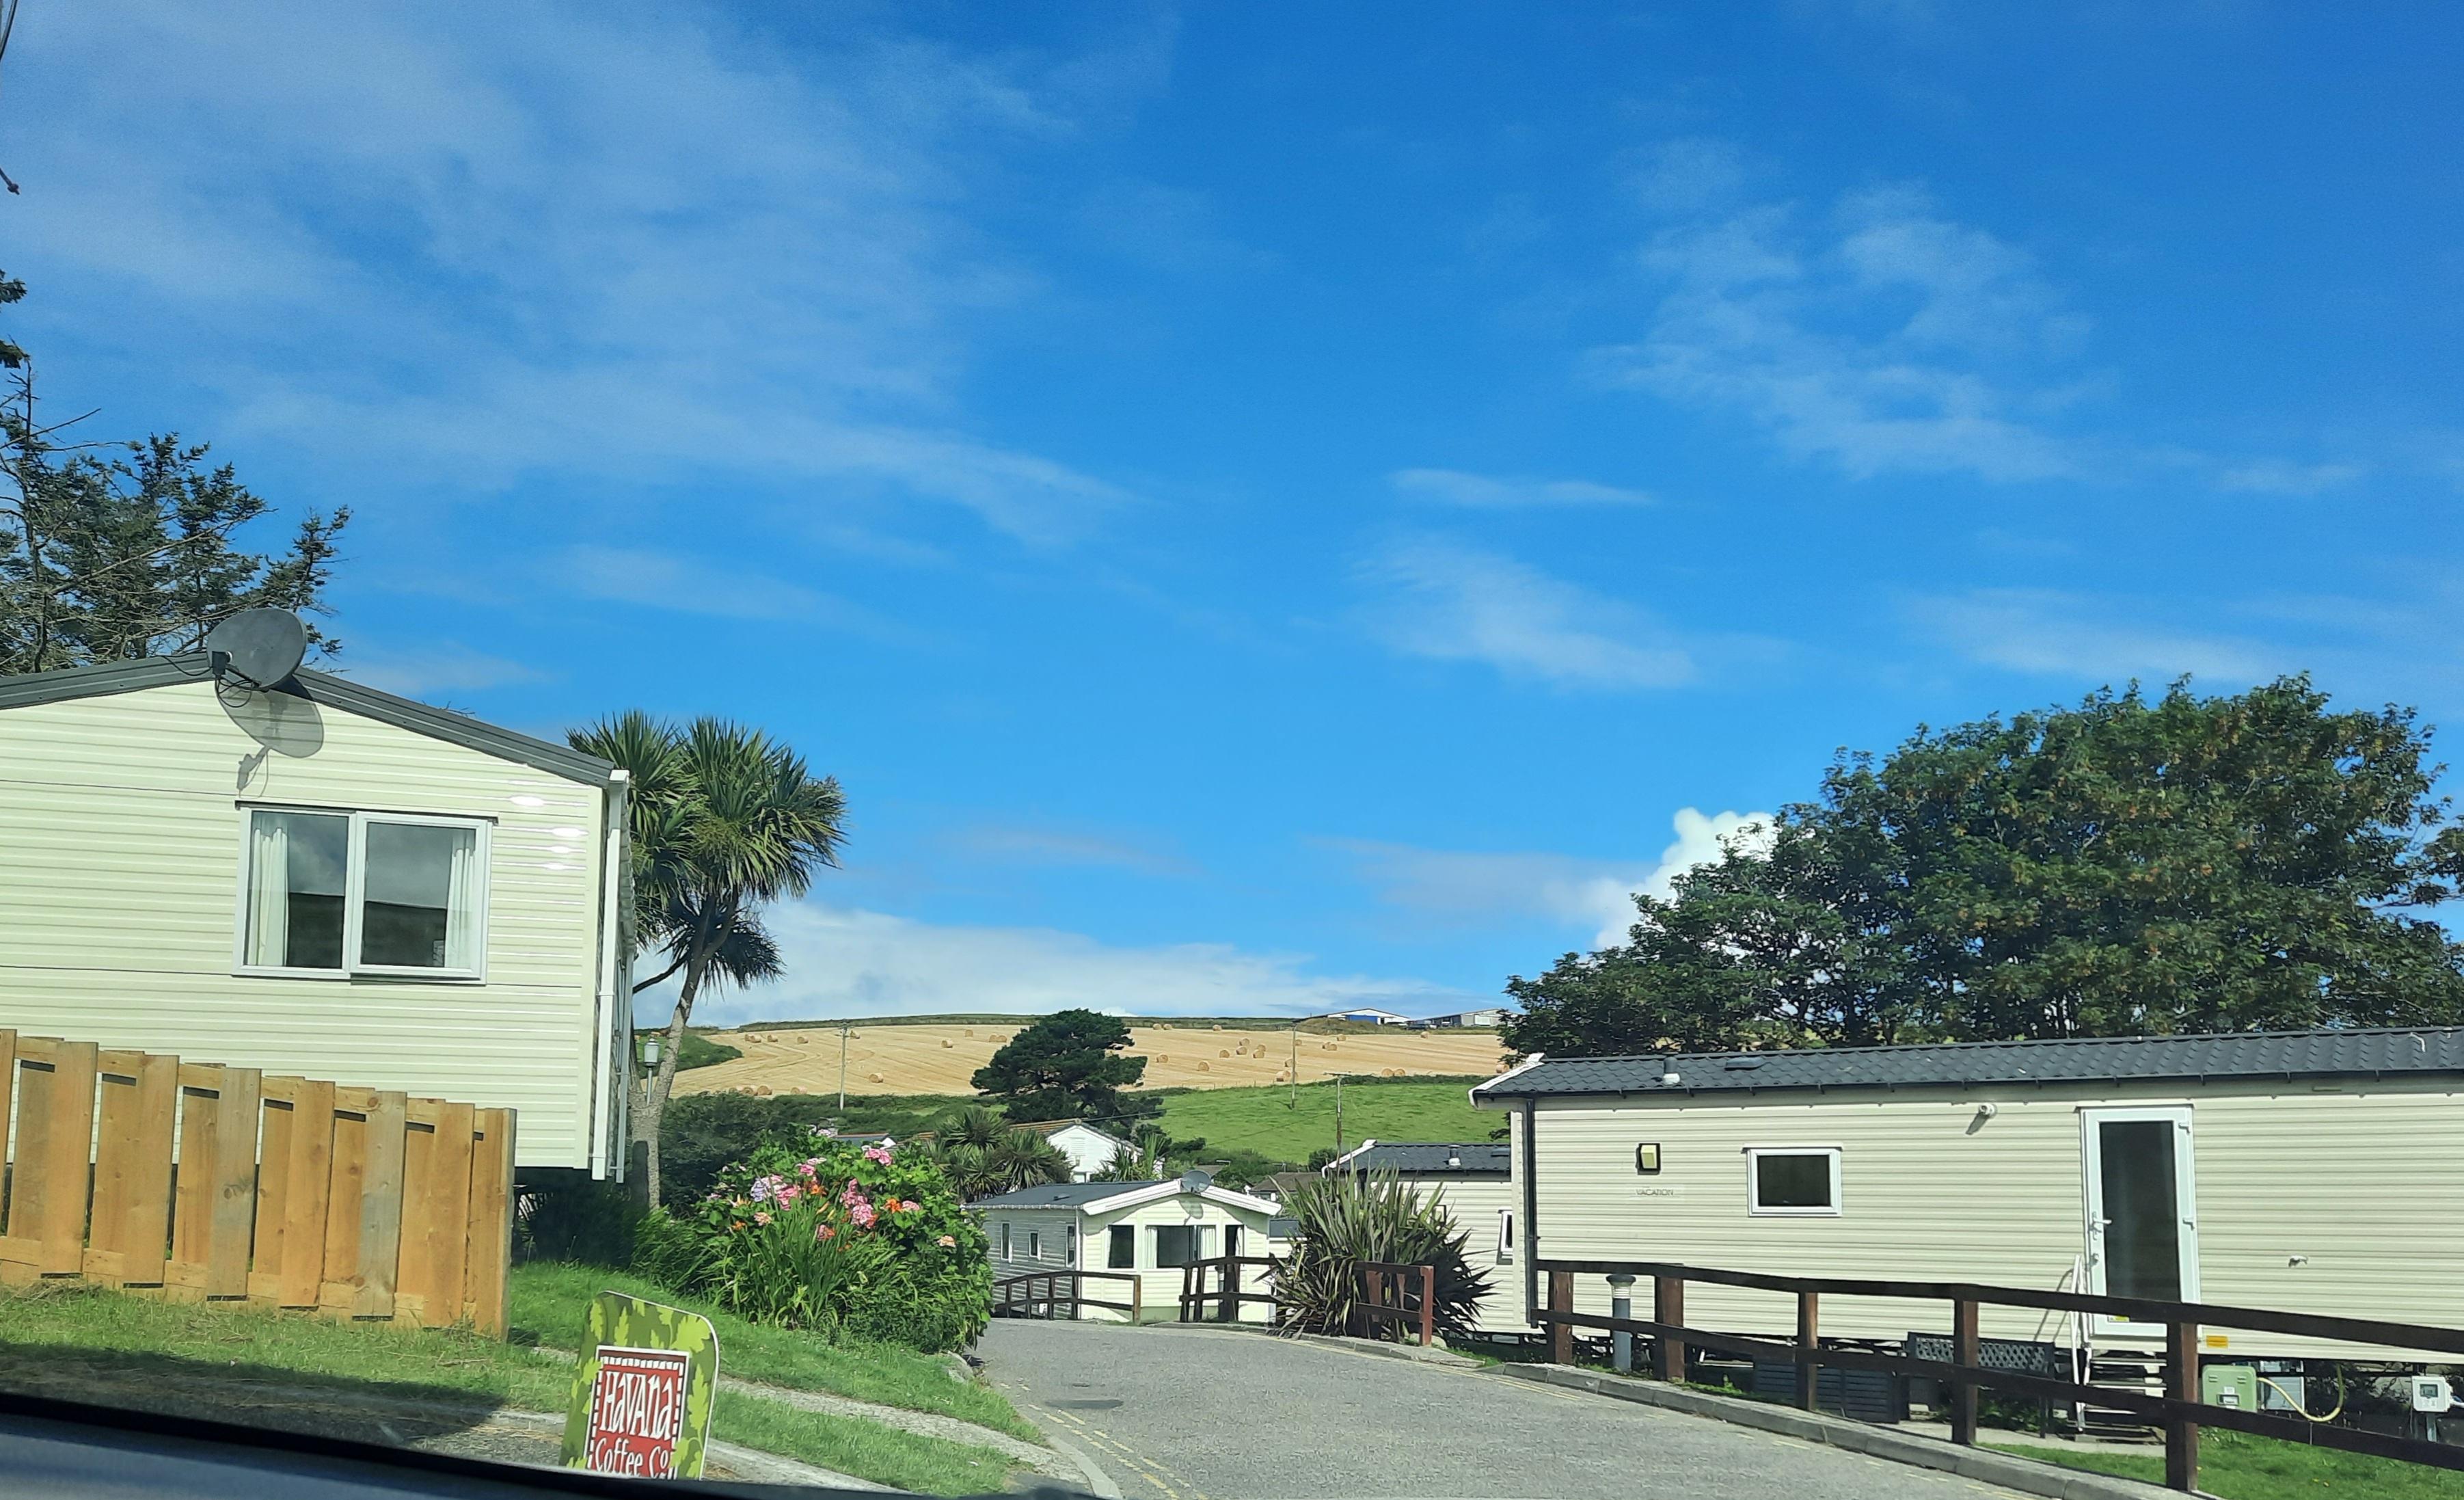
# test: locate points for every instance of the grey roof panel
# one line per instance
(317, 687)
(2358, 1052)
(1059, 1195)
(1483, 1159)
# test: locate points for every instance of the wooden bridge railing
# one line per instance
(1226, 1298)
(1393, 1293)
(1020, 1296)
(2179, 1409)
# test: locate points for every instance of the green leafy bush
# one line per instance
(871, 1240)
(700, 1051)
(569, 1217)
(1354, 1217)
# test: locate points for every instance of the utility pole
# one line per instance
(1296, 1067)
(845, 1027)
(1338, 1114)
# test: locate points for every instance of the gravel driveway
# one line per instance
(1201, 1414)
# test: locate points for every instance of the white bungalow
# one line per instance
(322, 880)
(1149, 1230)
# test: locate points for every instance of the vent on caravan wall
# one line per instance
(257, 647)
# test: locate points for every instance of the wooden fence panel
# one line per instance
(130, 1233)
(289, 1192)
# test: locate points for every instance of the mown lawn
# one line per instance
(552, 1302)
(1288, 1124)
(2235, 1465)
(62, 1339)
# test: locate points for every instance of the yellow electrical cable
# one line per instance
(2297, 1402)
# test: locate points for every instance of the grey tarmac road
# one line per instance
(1203, 1414)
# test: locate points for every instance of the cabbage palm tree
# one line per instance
(723, 821)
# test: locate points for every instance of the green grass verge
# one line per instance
(700, 1051)
(51, 1339)
(2235, 1465)
(1268, 1120)
(552, 1302)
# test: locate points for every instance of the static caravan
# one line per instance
(1474, 1182)
(318, 879)
(1147, 1229)
(2315, 1171)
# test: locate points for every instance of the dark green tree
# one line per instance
(2129, 866)
(1069, 1064)
(111, 550)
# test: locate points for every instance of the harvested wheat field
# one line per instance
(941, 1057)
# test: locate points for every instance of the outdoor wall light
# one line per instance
(1646, 1158)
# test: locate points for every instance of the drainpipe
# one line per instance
(1531, 1234)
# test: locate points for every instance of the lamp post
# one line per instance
(844, 1027)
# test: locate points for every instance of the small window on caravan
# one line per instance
(1799, 1181)
(1122, 1254)
(1506, 1236)
(1034, 1245)
(1005, 1229)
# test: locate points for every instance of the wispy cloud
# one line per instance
(846, 961)
(442, 667)
(2055, 633)
(619, 242)
(1024, 844)
(693, 585)
(1594, 894)
(1493, 492)
(1885, 336)
(1447, 602)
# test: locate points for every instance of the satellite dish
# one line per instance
(257, 647)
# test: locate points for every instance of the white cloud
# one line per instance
(1447, 602)
(2074, 635)
(842, 961)
(1490, 491)
(1691, 174)
(2278, 476)
(620, 242)
(1597, 893)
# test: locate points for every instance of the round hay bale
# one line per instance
(872, 1079)
(763, 1091)
(1161, 1059)
(1222, 1052)
(802, 1040)
(1217, 1028)
(946, 1041)
(971, 1030)
(1205, 1066)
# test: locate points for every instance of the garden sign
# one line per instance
(642, 1398)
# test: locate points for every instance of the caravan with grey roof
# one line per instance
(2314, 1172)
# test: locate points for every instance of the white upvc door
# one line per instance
(2142, 1221)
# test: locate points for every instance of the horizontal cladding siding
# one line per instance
(121, 832)
(1472, 1204)
(1161, 1284)
(1930, 1194)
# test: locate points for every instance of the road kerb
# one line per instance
(2007, 1469)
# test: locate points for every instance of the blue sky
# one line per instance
(1274, 506)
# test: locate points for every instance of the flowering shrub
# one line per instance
(870, 1241)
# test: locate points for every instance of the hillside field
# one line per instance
(1264, 1121)
(888, 1057)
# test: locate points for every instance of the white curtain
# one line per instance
(462, 924)
(269, 890)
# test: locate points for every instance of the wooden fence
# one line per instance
(203, 1184)
(1226, 1298)
(2180, 1409)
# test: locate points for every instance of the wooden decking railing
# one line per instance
(200, 1183)
(2179, 1409)
(1226, 1298)
(1039, 1294)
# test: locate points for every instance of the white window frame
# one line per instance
(355, 864)
(1035, 1245)
(1754, 1206)
(1506, 1236)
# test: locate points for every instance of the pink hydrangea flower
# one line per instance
(880, 1153)
(862, 1214)
(788, 1195)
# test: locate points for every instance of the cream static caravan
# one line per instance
(321, 880)
(2316, 1172)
